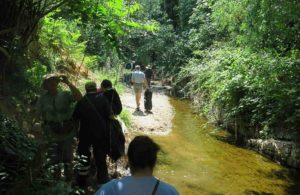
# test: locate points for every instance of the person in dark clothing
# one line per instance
(148, 101)
(92, 111)
(55, 108)
(112, 96)
(149, 75)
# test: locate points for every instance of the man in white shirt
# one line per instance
(138, 80)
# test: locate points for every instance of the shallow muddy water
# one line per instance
(197, 159)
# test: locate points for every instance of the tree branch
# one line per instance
(5, 52)
(54, 8)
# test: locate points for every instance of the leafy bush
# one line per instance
(17, 151)
(35, 74)
(258, 90)
(19, 166)
(243, 70)
(126, 117)
(259, 23)
(59, 41)
(57, 187)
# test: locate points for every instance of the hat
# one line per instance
(47, 77)
(149, 67)
(90, 86)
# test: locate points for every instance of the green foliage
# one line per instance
(112, 76)
(162, 48)
(259, 89)
(17, 151)
(91, 62)
(79, 33)
(243, 70)
(35, 74)
(202, 32)
(20, 164)
(59, 41)
(107, 23)
(186, 9)
(19, 26)
(167, 48)
(58, 187)
(259, 23)
(126, 117)
(15, 140)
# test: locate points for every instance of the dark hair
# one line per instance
(90, 87)
(106, 84)
(142, 153)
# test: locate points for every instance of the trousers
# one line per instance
(99, 153)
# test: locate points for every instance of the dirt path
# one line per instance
(158, 122)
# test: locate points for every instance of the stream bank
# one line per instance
(285, 152)
(197, 158)
(281, 148)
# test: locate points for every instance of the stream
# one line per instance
(198, 159)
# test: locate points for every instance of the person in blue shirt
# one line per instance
(142, 156)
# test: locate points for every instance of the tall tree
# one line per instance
(171, 8)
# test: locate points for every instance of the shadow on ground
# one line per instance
(138, 113)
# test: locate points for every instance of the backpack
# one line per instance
(116, 103)
(148, 99)
(116, 140)
(115, 136)
(114, 99)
